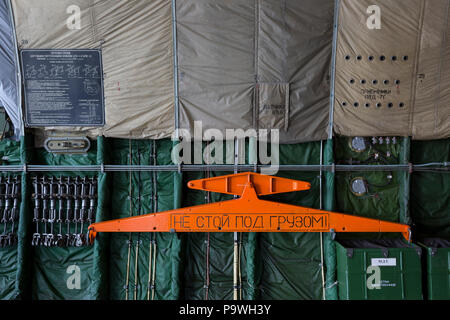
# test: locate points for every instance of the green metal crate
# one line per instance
(378, 270)
(437, 264)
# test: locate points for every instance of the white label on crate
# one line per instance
(383, 262)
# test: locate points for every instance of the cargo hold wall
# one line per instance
(261, 64)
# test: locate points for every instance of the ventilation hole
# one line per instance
(367, 105)
(401, 105)
(394, 58)
(390, 105)
(375, 81)
(370, 58)
(386, 82)
(363, 81)
(379, 105)
(397, 82)
(358, 58)
(382, 58)
(405, 58)
(356, 104)
(352, 81)
(344, 104)
(347, 57)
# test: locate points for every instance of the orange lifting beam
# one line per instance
(248, 213)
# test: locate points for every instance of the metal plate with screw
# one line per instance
(67, 145)
(358, 144)
(358, 186)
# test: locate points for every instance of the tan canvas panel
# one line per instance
(432, 99)
(227, 48)
(418, 105)
(136, 41)
(216, 42)
(273, 110)
(374, 68)
(43, 24)
(294, 47)
(138, 48)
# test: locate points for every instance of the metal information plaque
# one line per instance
(63, 88)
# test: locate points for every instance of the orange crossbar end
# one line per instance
(348, 223)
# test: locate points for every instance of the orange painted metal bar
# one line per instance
(248, 213)
(235, 183)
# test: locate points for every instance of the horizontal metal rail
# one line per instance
(443, 167)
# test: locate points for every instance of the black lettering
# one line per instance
(202, 225)
(291, 223)
(241, 223)
(178, 222)
(217, 222)
(317, 220)
(271, 217)
(248, 222)
(226, 221)
(281, 220)
(299, 222)
(261, 225)
(305, 223)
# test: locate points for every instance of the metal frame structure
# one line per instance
(428, 167)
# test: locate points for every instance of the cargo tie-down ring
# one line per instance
(248, 213)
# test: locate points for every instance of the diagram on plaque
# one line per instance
(63, 88)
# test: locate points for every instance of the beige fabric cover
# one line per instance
(258, 64)
(417, 29)
(216, 64)
(273, 106)
(136, 40)
(233, 53)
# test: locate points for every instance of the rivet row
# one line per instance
(380, 58)
(374, 81)
(378, 104)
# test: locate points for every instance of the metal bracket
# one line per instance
(419, 251)
(67, 145)
(350, 252)
(433, 251)
(333, 234)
